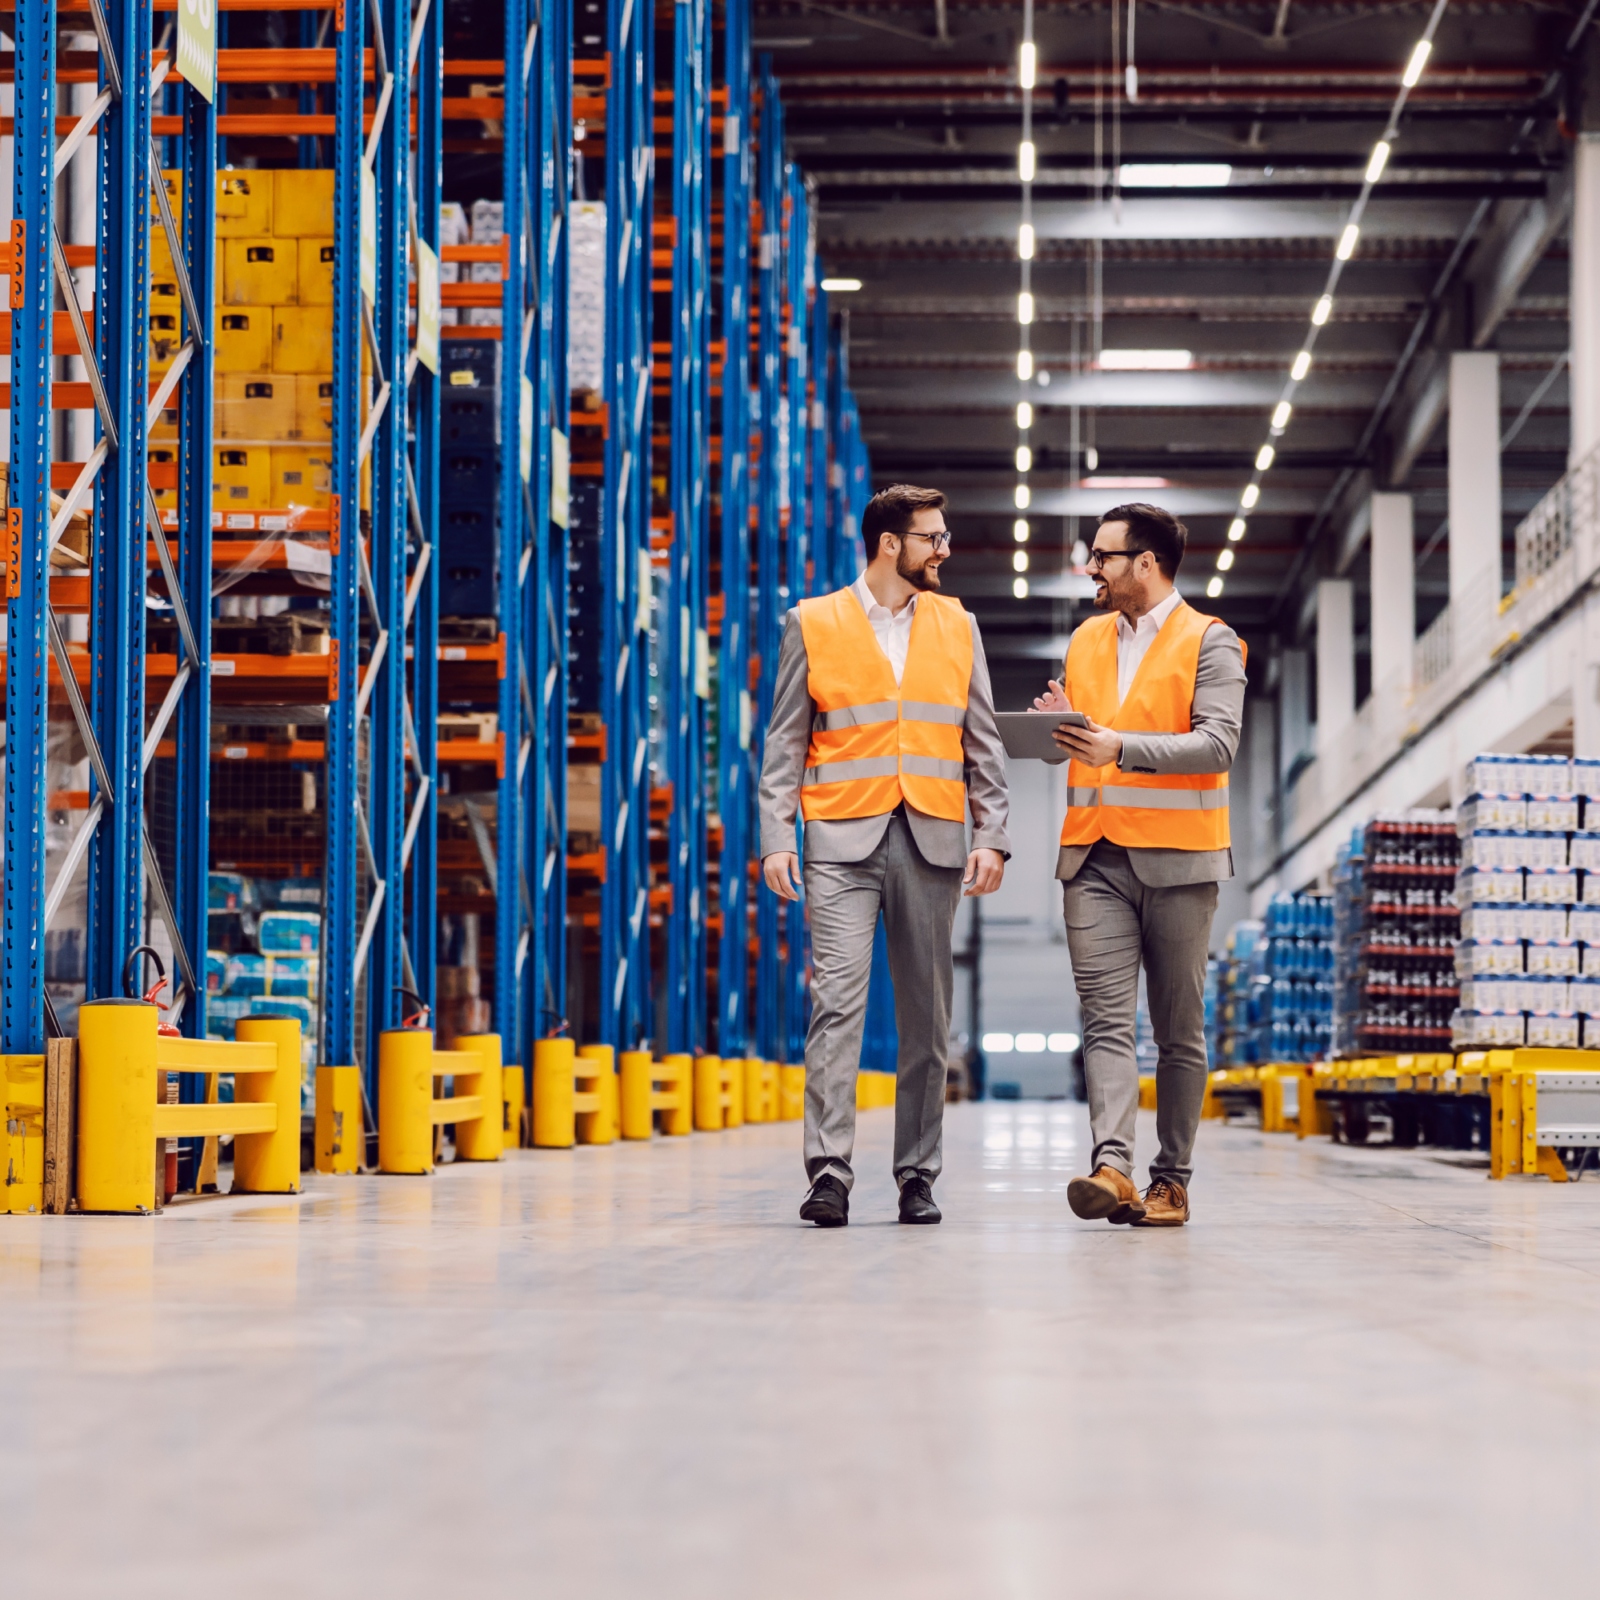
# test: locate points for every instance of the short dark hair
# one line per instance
(891, 510)
(1150, 528)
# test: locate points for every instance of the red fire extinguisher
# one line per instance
(169, 1175)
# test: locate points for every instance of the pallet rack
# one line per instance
(726, 451)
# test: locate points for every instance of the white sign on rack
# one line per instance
(197, 46)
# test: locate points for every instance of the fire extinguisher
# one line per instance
(168, 1030)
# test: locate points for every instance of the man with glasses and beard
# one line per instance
(1143, 847)
(882, 736)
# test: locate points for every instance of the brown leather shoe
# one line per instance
(1166, 1205)
(1108, 1193)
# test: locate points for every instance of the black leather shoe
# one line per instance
(916, 1200)
(828, 1204)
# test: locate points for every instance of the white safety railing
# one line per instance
(1557, 553)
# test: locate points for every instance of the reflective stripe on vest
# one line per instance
(875, 742)
(1151, 799)
(845, 771)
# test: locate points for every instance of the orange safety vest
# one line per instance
(875, 743)
(1140, 810)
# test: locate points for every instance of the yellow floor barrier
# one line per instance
(408, 1064)
(597, 1100)
(791, 1094)
(760, 1091)
(874, 1090)
(1534, 1093)
(565, 1114)
(122, 1067)
(718, 1094)
(649, 1086)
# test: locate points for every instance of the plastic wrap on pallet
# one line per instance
(289, 932)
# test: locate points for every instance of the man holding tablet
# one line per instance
(1160, 692)
(882, 737)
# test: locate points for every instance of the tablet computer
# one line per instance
(1026, 734)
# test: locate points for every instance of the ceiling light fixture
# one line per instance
(1302, 365)
(1024, 364)
(1025, 241)
(1419, 59)
(1214, 588)
(1252, 493)
(1027, 65)
(1025, 160)
(1224, 559)
(1264, 457)
(1236, 529)
(1024, 415)
(841, 285)
(1019, 588)
(1174, 175)
(1378, 160)
(1097, 482)
(1146, 360)
(1280, 416)
(1347, 241)
(1024, 458)
(1321, 311)
(1024, 308)
(1019, 560)
(1019, 531)
(1022, 497)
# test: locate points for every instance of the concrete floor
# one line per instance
(631, 1371)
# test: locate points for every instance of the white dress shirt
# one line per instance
(893, 629)
(1134, 639)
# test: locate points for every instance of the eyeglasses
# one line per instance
(939, 541)
(1098, 558)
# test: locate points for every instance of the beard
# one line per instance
(924, 577)
(1102, 598)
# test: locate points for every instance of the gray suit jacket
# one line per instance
(1209, 746)
(943, 843)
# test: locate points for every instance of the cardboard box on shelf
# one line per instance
(583, 798)
(302, 203)
(302, 339)
(260, 272)
(255, 405)
(313, 406)
(244, 339)
(315, 259)
(241, 477)
(244, 205)
(301, 477)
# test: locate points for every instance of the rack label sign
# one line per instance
(197, 46)
(427, 307)
(560, 479)
(369, 236)
(525, 429)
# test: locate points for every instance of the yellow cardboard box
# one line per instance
(241, 477)
(316, 271)
(244, 339)
(301, 477)
(302, 339)
(244, 204)
(260, 272)
(313, 406)
(302, 203)
(255, 405)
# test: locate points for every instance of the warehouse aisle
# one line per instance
(629, 1371)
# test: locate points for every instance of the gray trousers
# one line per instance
(1115, 923)
(919, 904)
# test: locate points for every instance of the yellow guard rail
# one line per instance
(122, 1066)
